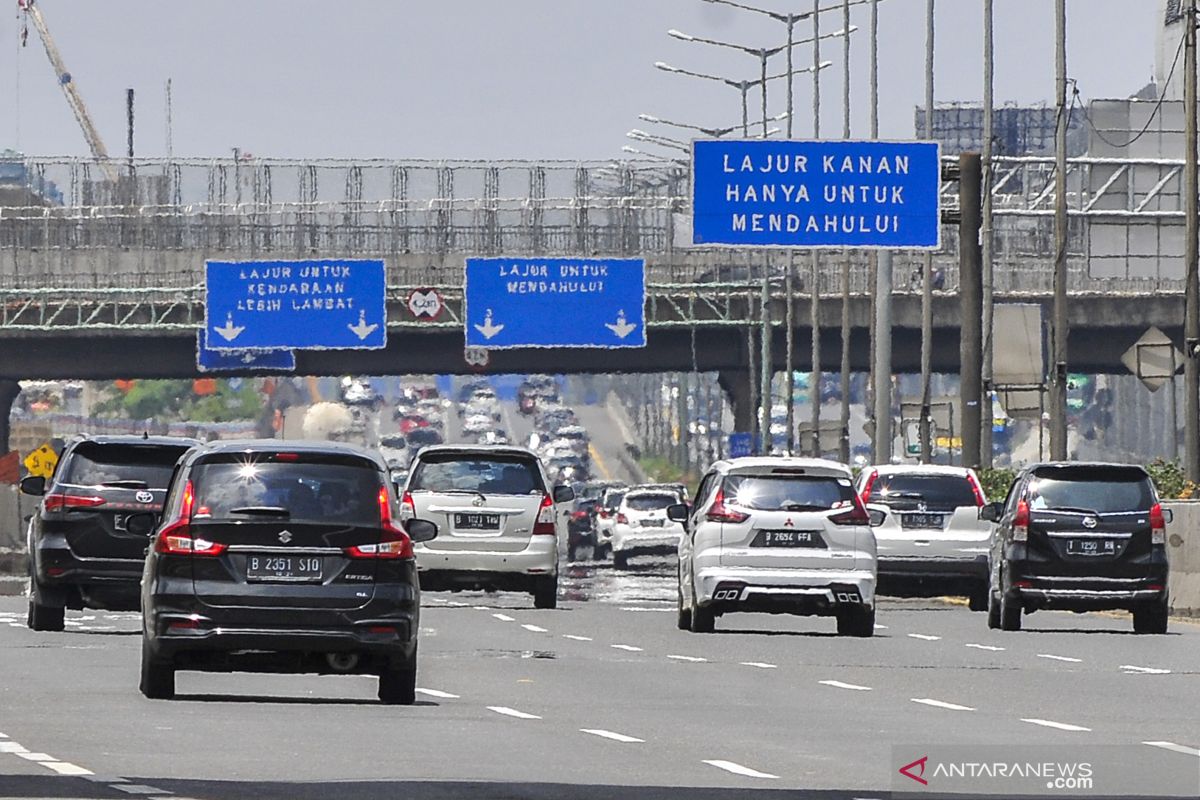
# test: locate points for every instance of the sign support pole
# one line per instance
(1191, 319)
(789, 288)
(927, 265)
(970, 290)
(1058, 380)
(986, 241)
(814, 383)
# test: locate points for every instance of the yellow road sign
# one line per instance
(42, 461)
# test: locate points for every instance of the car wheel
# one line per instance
(545, 592)
(856, 621)
(993, 610)
(158, 677)
(398, 687)
(703, 620)
(1151, 618)
(978, 599)
(42, 617)
(1010, 608)
(599, 551)
(684, 619)
(620, 560)
(571, 552)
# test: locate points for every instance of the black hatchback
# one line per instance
(282, 557)
(82, 553)
(1079, 536)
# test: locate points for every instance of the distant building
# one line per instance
(1017, 130)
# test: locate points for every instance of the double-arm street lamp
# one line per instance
(715, 133)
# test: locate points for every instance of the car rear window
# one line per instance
(612, 499)
(489, 474)
(650, 502)
(424, 436)
(1102, 490)
(345, 493)
(96, 464)
(787, 492)
(941, 491)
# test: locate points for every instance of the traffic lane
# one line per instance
(608, 443)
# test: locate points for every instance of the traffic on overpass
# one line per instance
(846, 448)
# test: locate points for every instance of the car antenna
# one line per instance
(145, 434)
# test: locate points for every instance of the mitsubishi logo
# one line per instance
(788, 523)
(285, 536)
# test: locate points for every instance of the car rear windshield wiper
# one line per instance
(803, 507)
(262, 511)
(1071, 510)
(130, 484)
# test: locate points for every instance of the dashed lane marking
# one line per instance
(481, 608)
(573, 637)
(534, 628)
(663, 609)
(1133, 670)
(137, 788)
(512, 712)
(758, 664)
(67, 768)
(1049, 723)
(989, 647)
(840, 685)
(1068, 659)
(437, 693)
(694, 659)
(36, 756)
(504, 617)
(924, 637)
(1175, 748)
(616, 737)
(925, 701)
(738, 769)
(628, 647)
(12, 747)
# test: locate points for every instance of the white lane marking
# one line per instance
(36, 757)
(3, 735)
(1175, 748)
(535, 628)
(924, 637)
(758, 664)
(694, 659)
(504, 617)
(437, 693)
(12, 747)
(840, 685)
(67, 768)
(925, 701)
(481, 608)
(577, 638)
(988, 647)
(879, 627)
(738, 769)
(512, 712)
(616, 737)
(1133, 670)
(628, 647)
(1060, 658)
(1049, 723)
(134, 788)
(644, 608)
(454, 604)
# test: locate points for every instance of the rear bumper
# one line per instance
(908, 574)
(104, 583)
(481, 569)
(653, 540)
(819, 592)
(1070, 593)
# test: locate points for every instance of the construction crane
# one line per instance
(67, 83)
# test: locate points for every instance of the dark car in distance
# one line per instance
(82, 553)
(282, 557)
(1079, 536)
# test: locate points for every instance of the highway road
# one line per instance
(601, 698)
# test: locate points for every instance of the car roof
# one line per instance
(1089, 464)
(919, 469)
(775, 462)
(130, 439)
(289, 446)
(503, 449)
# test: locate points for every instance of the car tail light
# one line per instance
(393, 542)
(1021, 522)
(719, 512)
(855, 516)
(866, 491)
(1155, 587)
(976, 488)
(622, 519)
(579, 515)
(545, 518)
(407, 507)
(59, 502)
(175, 539)
(1158, 525)
(603, 514)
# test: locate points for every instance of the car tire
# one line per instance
(1010, 609)
(993, 611)
(1151, 618)
(599, 552)
(856, 621)
(572, 551)
(398, 687)
(703, 620)
(684, 618)
(41, 617)
(158, 677)
(620, 560)
(978, 599)
(545, 592)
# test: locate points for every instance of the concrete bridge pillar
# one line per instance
(743, 397)
(9, 389)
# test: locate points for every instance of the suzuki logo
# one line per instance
(1090, 522)
(920, 770)
(285, 536)
(144, 497)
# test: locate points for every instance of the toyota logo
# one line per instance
(285, 536)
(477, 502)
(1090, 522)
(145, 497)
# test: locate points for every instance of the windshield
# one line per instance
(95, 464)
(649, 502)
(787, 492)
(1100, 490)
(341, 494)
(465, 472)
(944, 492)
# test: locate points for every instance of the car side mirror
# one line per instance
(421, 530)
(877, 515)
(991, 512)
(33, 485)
(1168, 515)
(678, 512)
(141, 524)
(563, 494)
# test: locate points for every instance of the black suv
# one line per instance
(82, 553)
(281, 557)
(1080, 537)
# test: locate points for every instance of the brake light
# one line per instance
(603, 514)
(286, 457)
(855, 516)
(1158, 525)
(719, 512)
(866, 492)
(393, 543)
(176, 539)
(58, 502)
(407, 507)
(622, 519)
(1021, 522)
(579, 515)
(545, 518)
(977, 489)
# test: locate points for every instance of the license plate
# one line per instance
(482, 522)
(1091, 547)
(787, 538)
(284, 568)
(922, 520)
(652, 523)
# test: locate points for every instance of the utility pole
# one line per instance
(925, 432)
(1191, 324)
(989, 104)
(844, 420)
(129, 122)
(881, 347)
(789, 281)
(970, 294)
(814, 377)
(1058, 380)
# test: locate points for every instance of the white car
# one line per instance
(777, 535)
(499, 520)
(606, 518)
(641, 526)
(932, 541)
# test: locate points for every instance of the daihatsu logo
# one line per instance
(285, 536)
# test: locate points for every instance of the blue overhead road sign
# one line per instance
(307, 305)
(555, 302)
(208, 360)
(807, 194)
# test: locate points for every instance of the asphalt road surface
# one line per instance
(600, 698)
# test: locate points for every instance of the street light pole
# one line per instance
(927, 266)
(1191, 331)
(789, 287)
(844, 420)
(882, 348)
(814, 388)
(1058, 381)
(985, 441)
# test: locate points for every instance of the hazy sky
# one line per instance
(505, 78)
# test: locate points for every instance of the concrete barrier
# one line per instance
(1183, 549)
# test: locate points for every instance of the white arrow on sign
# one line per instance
(230, 331)
(362, 330)
(622, 327)
(489, 328)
